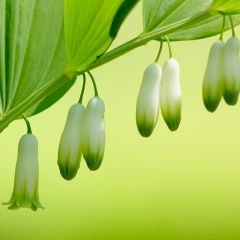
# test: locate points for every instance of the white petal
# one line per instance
(147, 109)
(213, 78)
(231, 86)
(70, 147)
(170, 94)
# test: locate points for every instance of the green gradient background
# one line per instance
(172, 186)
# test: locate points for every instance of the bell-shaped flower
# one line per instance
(147, 109)
(70, 147)
(170, 94)
(213, 78)
(231, 83)
(25, 192)
(94, 133)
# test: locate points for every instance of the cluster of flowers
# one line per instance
(84, 131)
(160, 87)
(84, 134)
(222, 76)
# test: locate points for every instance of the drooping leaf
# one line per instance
(32, 50)
(159, 14)
(90, 27)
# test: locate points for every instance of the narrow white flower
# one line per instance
(148, 100)
(94, 133)
(25, 192)
(70, 147)
(213, 78)
(170, 94)
(231, 84)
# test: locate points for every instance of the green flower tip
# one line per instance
(230, 98)
(25, 192)
(68, 172)
(22, 200)
(147, 109)
(94, 133)
(70, 147)
(173, 120)
(93, 160)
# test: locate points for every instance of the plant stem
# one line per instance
(83, 89)
(146, 37)
(29, 129)
(169, 47)
(232, 25)
(94, 84)
(223, 27)
(68, 74)
(36, 97)
(159, 52)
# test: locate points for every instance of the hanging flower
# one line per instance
(170, 94)
(94, 133)
(25, 192)
(70, 147)
(231, 83)
(213, 79)
(148, 100)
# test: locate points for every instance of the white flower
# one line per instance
(147, 109)
(231, 84)
(94, 133)
(213, 78)
(70, 147)
(170, 94)
(25, 192)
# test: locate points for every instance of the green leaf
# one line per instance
(34, 69)
(226, 6)
(161, 14)
(90, 28)
(32, 51)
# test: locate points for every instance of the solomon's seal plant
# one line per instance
(36, 71)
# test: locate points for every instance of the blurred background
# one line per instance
(172, 186)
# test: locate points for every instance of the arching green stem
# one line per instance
(169, 47)
(94, 83)
(223, 27)
(159, 52)
(83, 89)
(63, 78)
(232, 25)
(29, 129)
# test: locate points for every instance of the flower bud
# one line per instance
(25, 192)
(213, 78)
(170, 94)
(231, 83)
(70, 147)
(94, 133)
(148, 100)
